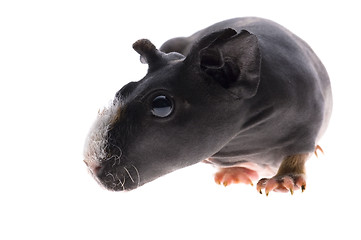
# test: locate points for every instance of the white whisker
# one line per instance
(117, 158)
(123, 183)
(137, 174)
(111, 175)
(119, 181)
(129, 174)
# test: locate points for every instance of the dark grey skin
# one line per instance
(242, 90)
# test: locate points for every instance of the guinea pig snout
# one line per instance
(114, 177)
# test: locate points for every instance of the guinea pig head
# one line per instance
(183, 111)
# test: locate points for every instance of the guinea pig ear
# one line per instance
(149, 54)
(152, 56)
(232, 59)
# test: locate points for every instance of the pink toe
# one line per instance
(271, 185)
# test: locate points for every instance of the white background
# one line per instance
(60, 61)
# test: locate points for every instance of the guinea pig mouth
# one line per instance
(120, 178)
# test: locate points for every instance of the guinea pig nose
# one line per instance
(94, 167)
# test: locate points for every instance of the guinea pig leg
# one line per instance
(290, 176)
(227, 176)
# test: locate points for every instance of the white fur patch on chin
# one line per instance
(96, 141)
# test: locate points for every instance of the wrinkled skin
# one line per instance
(241, 90)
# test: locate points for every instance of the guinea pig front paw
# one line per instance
(227, 176)
(282, 183)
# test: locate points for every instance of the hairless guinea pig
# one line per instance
(245, 95)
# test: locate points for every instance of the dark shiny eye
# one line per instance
(162, 106)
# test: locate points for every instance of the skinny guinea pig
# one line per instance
(245, 95)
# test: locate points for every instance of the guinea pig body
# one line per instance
(241, 91)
